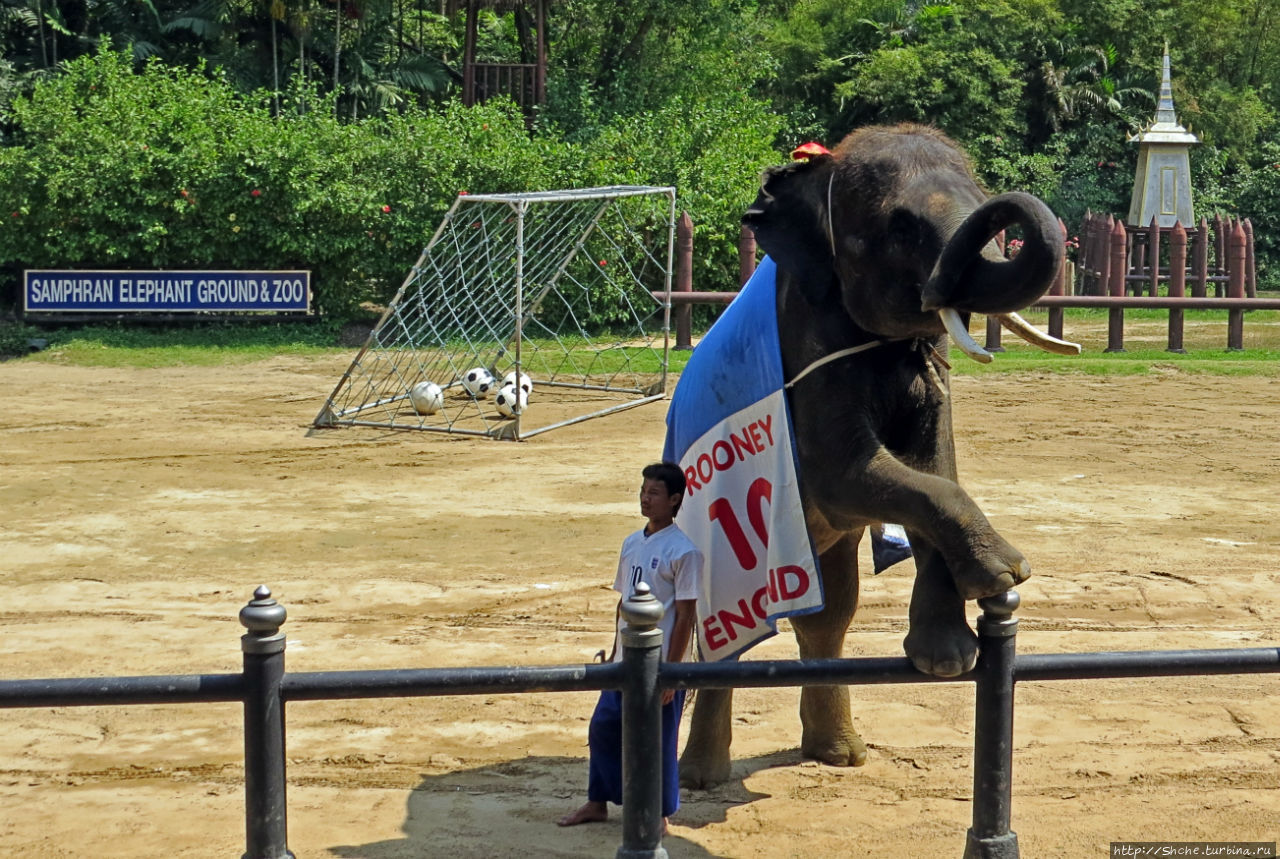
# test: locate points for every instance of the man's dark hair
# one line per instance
(670, 475)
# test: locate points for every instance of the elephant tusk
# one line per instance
(959, 333)
(1035, 336)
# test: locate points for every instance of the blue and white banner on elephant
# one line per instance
(729, 429)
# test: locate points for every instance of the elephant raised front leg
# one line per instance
(959, 557)
(985, 564)
(937, 512)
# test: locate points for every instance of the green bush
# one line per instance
(172, 169)
(1000, 166)
(1257, 192)
(713, 152)
(16, 338)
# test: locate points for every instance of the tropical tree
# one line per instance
(1074, 83)
(371, 68)
(623, 57)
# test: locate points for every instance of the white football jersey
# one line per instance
(670, 564)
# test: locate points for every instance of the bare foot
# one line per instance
(591, 812)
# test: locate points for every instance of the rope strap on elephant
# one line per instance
(834, 356)
(932, 361)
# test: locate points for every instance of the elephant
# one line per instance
(886, 241)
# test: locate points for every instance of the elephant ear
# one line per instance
(789, 219)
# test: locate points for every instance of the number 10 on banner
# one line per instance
(722, 512)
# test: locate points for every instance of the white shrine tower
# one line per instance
(1162, 182)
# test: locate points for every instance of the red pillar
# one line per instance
(1102, 233)
(469, 56)
(1219, 253)
(1059, 288)
(1115, 316)
(1153, 258)
(684, 281)
(993, 324)
(1200, 261)
(540, 76)
(1177, 283)
(746, 255)
(1235, 288)
(1087, 255)
(1250, 264)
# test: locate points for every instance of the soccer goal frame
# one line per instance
(569, 287)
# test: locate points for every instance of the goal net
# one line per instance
(568, 289)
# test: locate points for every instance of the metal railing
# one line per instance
(264, 687)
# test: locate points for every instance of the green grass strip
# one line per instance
(213, 345)
(1141, 362)
(219, 344)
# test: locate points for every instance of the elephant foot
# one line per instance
(990, 573)
(702, 771)
(941, 649)
(846, 750)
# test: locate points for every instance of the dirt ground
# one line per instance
(141, 508)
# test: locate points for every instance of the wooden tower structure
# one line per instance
(1162, 182)
(526, 81)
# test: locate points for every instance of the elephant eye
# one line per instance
(904, 227)
(907, 231)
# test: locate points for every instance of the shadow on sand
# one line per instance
(509, 809)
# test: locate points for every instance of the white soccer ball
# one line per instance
(478, 381)
(427, 398)
(526, 384)
(507, 399)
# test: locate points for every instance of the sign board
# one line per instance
(55, 291)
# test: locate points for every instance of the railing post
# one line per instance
(1235, 288)
(266, 827)
(1177, 284)
(641, 728)
(1116, 288)
(684, 280)
(990, 836)
(993, 335)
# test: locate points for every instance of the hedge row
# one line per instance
(109, 169)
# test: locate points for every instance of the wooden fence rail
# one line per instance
(1148, 258)
(1233, 246)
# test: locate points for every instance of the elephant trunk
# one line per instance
(965, 281)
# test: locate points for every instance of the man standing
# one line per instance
(661, 556)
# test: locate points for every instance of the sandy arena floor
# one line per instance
(141, 508)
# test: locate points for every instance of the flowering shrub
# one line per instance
(1014, 246)
(1073, 247)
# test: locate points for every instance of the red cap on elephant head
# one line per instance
(808, 150)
